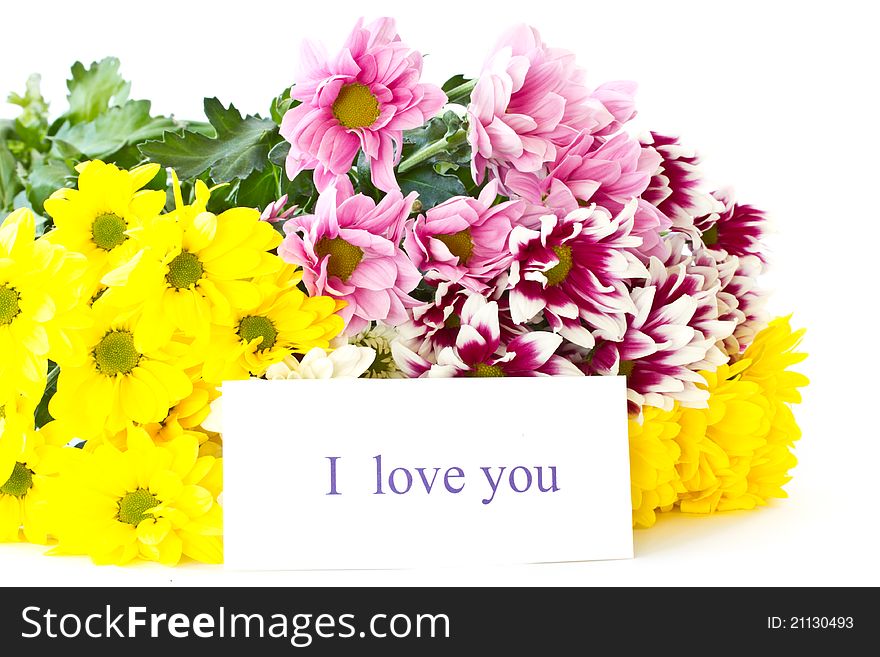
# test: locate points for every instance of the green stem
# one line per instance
(423, 154)
(461, 91)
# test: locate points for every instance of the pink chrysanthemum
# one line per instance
(737, 229)
(349, 250)
(480, 352)
(363, 98)
(530, 100)
(675, 185)
(275, 212)
(673, 333)
(610, 172)
(464, 240)
(575, 270)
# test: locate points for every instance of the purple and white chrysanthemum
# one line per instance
(433, 326)
(673, 333)
(464, 240)
(675, 187)
(751, 303)
(736, 229)
(479, 350)
(575, 271)
(740, 299)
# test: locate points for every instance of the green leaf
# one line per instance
(114, 130)
(365, 177)
(453, 82)
(259, 189)
(280, 105)
(241, 146)
(458, 89)
(32, 124)
(301, 190)
(433, 187)
(441, 142)
(278, 154)
(44, 179)
(223, 197)
(41, 415)
(95, 89)
(10, 184)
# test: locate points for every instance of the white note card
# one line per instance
(359, 473)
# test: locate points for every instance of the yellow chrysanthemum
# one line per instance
(737, 421)
(119, 384)
(150, 502)
(26, 495)
(97, 218)
(285, 321)
(187, 416)
(41, 306)
(653, 454)
(770, 356)
(734, 454)
(743, 456)
(196, 268)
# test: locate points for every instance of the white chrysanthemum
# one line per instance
(380, 338)
(346, 362)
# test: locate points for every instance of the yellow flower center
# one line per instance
(558, 273)
(184, 271)
(254, 326)
(356, 106)
(9, 310)
(19, 483)
(2, 411)
(133, 507)
(483, 370)
(344, 257)
(108, 231)
(115, 353)
(459, 244)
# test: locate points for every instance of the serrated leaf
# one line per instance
(44, 179)
(114, 130)
(95, 89)
(433, 187)
(240, 147)
(10, 184)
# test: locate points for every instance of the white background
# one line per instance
(781, 98)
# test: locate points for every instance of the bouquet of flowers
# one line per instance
(374, 225)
